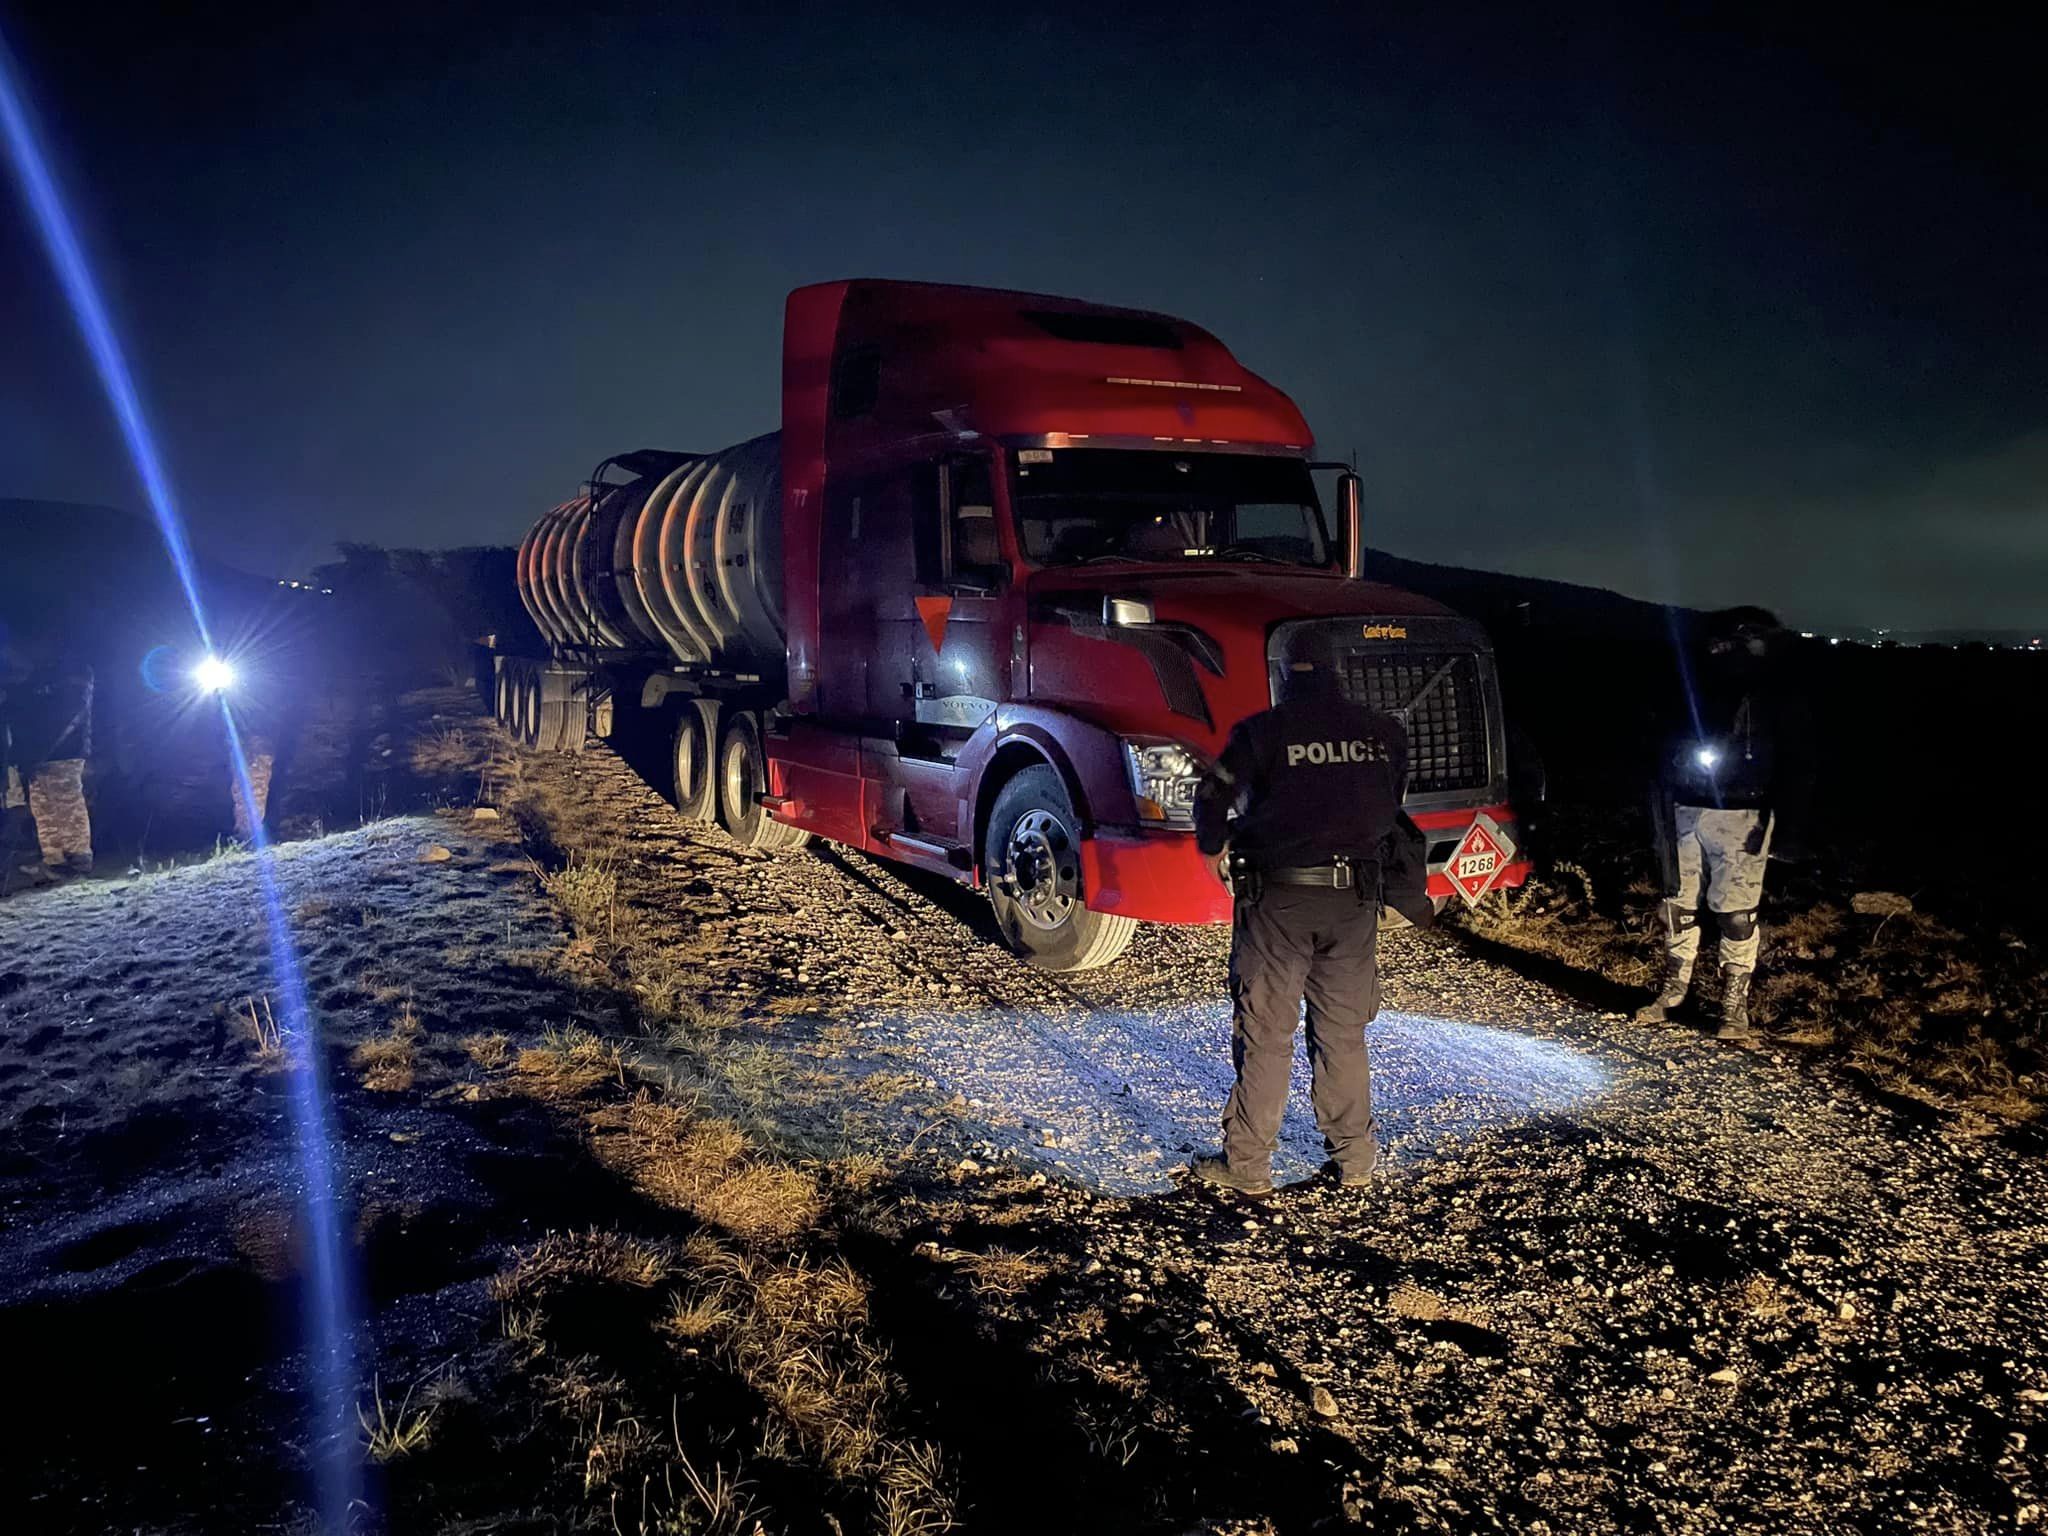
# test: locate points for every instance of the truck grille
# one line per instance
(1446, 725)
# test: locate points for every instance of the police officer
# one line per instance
(1734, 780)
(1296, 816)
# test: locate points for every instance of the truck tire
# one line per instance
(561, 709)
(561, 726)
(1033, 858)
(507, 693)
(742, 776)
(528, 720)
(690, 755)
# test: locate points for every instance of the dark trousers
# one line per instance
(1299, 942)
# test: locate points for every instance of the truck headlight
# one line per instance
(1164, 778)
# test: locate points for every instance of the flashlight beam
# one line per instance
(68, 258)
(327, 1334)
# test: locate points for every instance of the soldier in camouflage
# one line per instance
(50, 720)
(1733, 790)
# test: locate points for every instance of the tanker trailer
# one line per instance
(659, 588)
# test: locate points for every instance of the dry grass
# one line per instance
(394, 1433)
(706, 1167)
(1091, 1322)
(689, 1017)
(699, 1317)
(446, 753)
(793, 1328)
(758, 1289)
(587, 890)
(602, 1256)
(888, 1087)
(408, 1025)
(481, 752)
(916, 1495)
(755, 1073)
(386, 1064)
(693, 1505)
(567, 1064)
(488, 1051)
(264, 1032)
(859, 1172)
(1004, 1272)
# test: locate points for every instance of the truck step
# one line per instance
(927, 847)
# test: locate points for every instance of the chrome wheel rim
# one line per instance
(1044, 870)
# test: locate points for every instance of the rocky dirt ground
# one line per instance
(689, 1187)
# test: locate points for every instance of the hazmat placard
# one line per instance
(1480, 858)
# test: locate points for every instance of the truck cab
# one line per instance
(1039, 558)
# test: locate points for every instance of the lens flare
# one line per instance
(338, 1478)
(213, 675)
(1707, 757)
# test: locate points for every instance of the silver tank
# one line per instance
(687, 561)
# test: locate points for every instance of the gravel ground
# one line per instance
(1614, 1276)
(152, 1242)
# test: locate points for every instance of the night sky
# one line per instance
(1701, 310)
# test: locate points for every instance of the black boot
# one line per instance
(1217, 1170)
(1735, 1006)
(1677, 978)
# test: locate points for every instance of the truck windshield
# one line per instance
(1075, 505)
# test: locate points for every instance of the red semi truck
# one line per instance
(988, 604)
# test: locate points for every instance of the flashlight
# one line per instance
(1706, 757)
(213, 675)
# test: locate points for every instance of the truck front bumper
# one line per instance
(1161, 877)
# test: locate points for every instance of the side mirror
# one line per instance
(1351, 519)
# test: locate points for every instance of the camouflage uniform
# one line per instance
(261, 753)
(1726, 851)
(53, 732)
(1728, 786)
(56, 800)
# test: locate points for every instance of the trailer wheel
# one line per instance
(1033, 858)
(529, 707)
(503, 706)
(742, 776)
(690, 763)
(561, 725)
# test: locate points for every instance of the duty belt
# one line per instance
(1339, 875)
